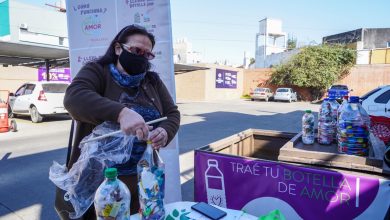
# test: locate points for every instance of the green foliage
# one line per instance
(245, 96)
(315, 67)
(292, 43)
(252, 61)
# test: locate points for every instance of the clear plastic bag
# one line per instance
(82, 180)
(151, 185)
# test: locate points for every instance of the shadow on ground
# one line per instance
(27, 186)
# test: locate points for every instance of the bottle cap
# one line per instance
(110, 173)
(308, 111)
(354, 99)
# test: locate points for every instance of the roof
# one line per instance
(25, 54)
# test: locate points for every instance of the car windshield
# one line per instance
(54, 87)
(282, 90)
(339, 87)
(260, 90)
(370, 93)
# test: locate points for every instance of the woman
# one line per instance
(119, 87)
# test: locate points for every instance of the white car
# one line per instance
(39, 99)
(285, 94)
(262, 94)
(377, 105)
(377, 101)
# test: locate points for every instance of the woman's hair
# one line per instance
(121, 38)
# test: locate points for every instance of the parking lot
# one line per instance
(25, 156)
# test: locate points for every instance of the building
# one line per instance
(371, 44)
(183, 53)
(30, 33)
(30, 36)
(270, 40)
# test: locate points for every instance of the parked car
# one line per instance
(285, 94)
(262, 94)
(39, 99)
(377, 104)
(338, 91)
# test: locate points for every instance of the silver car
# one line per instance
(285, 94)
(262, 94)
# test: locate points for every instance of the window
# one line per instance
(369, 93)
(383, 98)
(259, 90)
(20, 91)
(282, 90)
(29, 89)
(54, 87)
(388, 44)
(339, 87)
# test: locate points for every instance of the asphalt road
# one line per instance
(25, 156)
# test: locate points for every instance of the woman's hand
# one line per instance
(133, 124)
(159, 137)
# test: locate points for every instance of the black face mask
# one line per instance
(133, 64)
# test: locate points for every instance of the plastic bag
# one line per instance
(151, 185)
(85, 176)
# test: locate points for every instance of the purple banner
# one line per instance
(259, 186)
(225, 79)
(56, 74)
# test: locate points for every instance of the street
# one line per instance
(25, 156)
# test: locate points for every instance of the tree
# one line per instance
(252, 61)
(291, 43)
(315, 67)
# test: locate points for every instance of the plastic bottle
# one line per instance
(334, 108)
(325, 123)
(341, 107)
(112, 198)
(151, 185)
(308, 128)
(215, 185)
(353, 129)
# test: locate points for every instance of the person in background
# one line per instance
(120, 87)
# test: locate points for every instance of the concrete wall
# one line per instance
(254, 78)
(33, 16)
(213, 93)
(364, 78)
(11, 78)
(191, 85)
(376, 38)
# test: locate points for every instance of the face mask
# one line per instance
(133, 64)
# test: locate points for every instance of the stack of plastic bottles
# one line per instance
(151, 185)
(308, 128)
(326, 124)
(341, 107)
(112, 198)
(353, 129)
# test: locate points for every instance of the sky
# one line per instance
(225, 29)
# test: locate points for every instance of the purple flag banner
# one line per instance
(55, 74)
(260, 186)
(225, 79)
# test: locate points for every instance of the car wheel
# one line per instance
(35, 116)
(14, 126)
(252, 100)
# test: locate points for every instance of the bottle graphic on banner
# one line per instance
(215, 185)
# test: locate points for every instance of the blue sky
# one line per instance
(224, 29)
